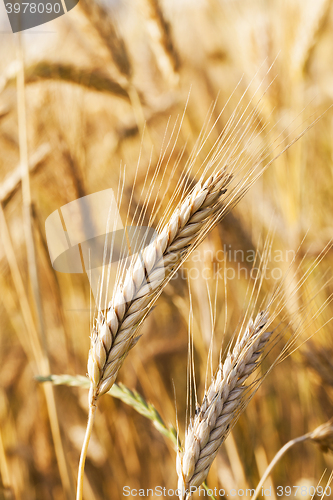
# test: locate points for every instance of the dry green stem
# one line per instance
(130, 397)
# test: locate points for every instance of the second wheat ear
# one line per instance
(220, 408)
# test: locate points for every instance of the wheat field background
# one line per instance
(104, 85)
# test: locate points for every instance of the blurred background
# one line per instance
(104, 85)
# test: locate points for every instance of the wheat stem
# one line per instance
(322, 436)
(275, 460)
(91, 418)
(208, 491)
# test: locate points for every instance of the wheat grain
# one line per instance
(221, 406)
(114, 331)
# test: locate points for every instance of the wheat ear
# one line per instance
(220, 408)
(113, 332)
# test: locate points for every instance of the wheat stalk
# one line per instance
(221, 406)
(38, 330)
(322, 436)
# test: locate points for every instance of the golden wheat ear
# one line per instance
(221, 406)
(114, 332)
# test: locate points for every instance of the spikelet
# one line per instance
(221, 406)
(113, 332)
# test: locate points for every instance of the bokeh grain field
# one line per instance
(103, 88)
